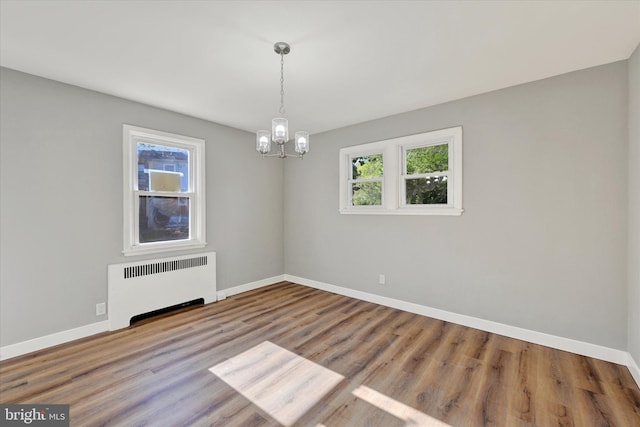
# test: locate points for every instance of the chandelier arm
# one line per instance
(286, 155)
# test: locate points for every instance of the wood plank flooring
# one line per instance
(291, 355)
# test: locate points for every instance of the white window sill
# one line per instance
(401, 211)
(150, 248)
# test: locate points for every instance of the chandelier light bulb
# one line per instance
(280, 130)
(263, 141)
(302, 142)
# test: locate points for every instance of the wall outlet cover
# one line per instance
(101, 308)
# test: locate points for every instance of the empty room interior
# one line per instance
(320, 213)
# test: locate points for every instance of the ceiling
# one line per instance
(350, 61)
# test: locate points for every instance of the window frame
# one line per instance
(394, 174)
(132, 135)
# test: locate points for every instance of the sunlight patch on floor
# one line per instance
(411, 417)
(286, 386)
(278, 381)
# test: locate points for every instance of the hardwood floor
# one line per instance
(291, 355)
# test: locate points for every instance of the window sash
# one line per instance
(366, 154)
(350, 184)
(351, 180)
(402, 191)
(192, 169)
(190, 207)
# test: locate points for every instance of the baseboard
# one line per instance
(24, 347)
(223, 293)
(586, 349)
(633, 368)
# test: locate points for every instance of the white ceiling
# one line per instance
(350, 61)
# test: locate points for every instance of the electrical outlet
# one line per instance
(101, 308)
(381, 279)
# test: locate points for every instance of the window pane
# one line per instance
(426, 191)
(364, 167)
(366, 193)
(162, 168)
(434, 158)
(163, 218)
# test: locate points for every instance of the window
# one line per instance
(425, 175)
(163, 191)
(412, 175)
(365, 184)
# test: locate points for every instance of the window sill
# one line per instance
(402, 211)
(149, 248)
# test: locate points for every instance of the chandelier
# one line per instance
(280, 125)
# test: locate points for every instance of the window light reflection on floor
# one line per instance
(410, 416)
(286, 386)
(278, 381)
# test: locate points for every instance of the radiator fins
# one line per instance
(163, 267)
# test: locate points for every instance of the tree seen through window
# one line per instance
(367, 172)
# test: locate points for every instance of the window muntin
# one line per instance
(422, 175)
(164, 191)
(366, 180)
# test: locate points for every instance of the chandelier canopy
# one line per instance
(280, 125)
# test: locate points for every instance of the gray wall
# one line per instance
(542, 243)
(61, 201)
(634, 205)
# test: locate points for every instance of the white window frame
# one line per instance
(131, 195)
(394, 174)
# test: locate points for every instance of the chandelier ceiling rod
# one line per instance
(282, 49)
(280, 125)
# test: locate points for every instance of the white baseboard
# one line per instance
(24, 347)
(634, 369)
(223, 293)
(586, 349)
